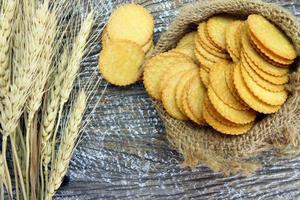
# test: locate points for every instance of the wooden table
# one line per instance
(124, 153)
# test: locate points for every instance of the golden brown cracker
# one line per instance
(229, 113)
(268, 55)
(204, 75)
(131, 22)
(217, 79)
(195, 97)
(216, 27)
(173, 70)
(247, 95)
(217, 123)
(271, 37)
(169, 97)
(187, 40)
(181, 86)
(266, 96)
(201, 37)
(188, 51)
(233, 44)
(259, 80)
(120, 66)
(155, 68)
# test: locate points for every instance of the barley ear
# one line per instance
(69, 137)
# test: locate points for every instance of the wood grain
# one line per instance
(124, 153)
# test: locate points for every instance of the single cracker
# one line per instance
(120, 62)
(233, 44)
(257, 60)
(204, 75)
(230, 85)
(169, 98)
(271, 37)
(187, 40)
(195, 96)
(131, 22)
(260, 81)
(155, 68)
(173, 70)
(209, 106)
(186, 107)
(247, 95)
(216, 27)
(205, 53)
(268, 97)
(181, 85)
(207, 45)
(229, 113)
(217, 79)
(268, 55)
(214, 121)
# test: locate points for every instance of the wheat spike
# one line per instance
(51, 109)
(9, 7)
(66, 147)
(76, 57)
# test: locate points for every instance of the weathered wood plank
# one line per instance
(124, 153)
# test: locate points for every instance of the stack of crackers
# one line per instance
(223, 74)
(126, 40)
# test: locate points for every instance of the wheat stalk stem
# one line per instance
(64, 154)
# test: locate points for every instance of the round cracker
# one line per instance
(186, 107)
(214, 121)
(169, 97)
(181, 86)
(187, 40)
(268, 55)
(260, 81)
(195, 96)
(271, 37)
(204, 75)
(120, 62)
(230, 85)
(248, 97)
(154, 69)
(271, 98)
(205, 53)
(173, 70)
(216, 27)
(188, 51)
(131, 22)
(209, 106)
(201, 37)
(217, 79)
(229, 113)
(233, 44)
(259, 61)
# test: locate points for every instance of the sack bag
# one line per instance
(279, 132)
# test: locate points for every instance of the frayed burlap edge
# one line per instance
(278, 132)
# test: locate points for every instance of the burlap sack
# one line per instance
(278, 132)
